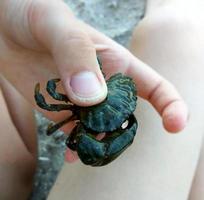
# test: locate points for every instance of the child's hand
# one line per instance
(41, 39)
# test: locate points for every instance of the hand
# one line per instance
(42, 39)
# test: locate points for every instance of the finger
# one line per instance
(151, 86)
(71, 156)
(113, 55)
(57, 29)
(161, 94)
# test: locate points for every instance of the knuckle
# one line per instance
(78, 39)
(47, 21)
(44, 8)
(78, 36)
(36, 9)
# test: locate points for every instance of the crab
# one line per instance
(114, 117)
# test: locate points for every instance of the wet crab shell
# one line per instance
(115, 109)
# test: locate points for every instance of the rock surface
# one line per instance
(115, 18)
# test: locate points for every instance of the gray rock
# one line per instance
(115, 18)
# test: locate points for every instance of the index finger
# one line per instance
(151, 86)
(161, 94)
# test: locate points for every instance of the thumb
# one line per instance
(73, 51)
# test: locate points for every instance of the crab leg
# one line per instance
(51, 89)
(71, 141)
(52, 128)
(40, 100)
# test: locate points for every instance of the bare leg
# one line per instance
(181, 32)
(17, 145)
(158, 165)
(179, 56)
(197, 190)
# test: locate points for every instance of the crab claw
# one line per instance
(98, 153)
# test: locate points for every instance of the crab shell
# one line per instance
(115, 109)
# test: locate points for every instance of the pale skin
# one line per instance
(159, 166)
(41, 42)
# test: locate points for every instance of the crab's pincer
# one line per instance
(98, 153)
(108, 117)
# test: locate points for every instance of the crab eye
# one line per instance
(125, 124)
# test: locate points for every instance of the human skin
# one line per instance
(157, 166)
(37, 43)
(42, 41)
(18, 144)
(176, 28)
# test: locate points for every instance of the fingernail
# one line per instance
(101, 47)
(86, 84)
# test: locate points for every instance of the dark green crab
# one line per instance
(114, 117)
